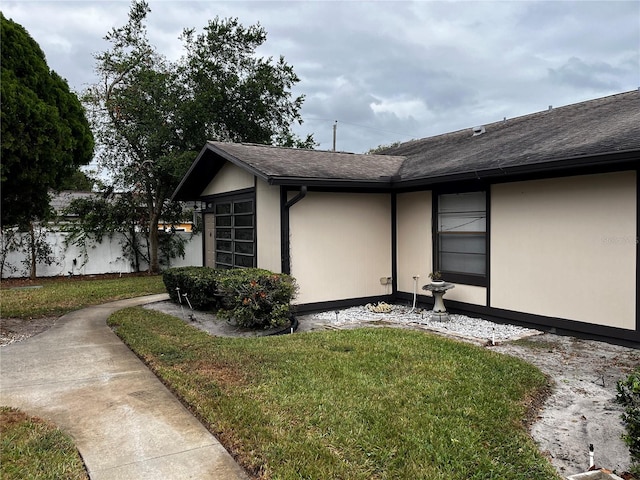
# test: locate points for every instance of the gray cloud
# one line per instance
(387, 71)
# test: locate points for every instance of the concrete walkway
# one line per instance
(124, 421)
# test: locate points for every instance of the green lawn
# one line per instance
(374, 403)
(34, 449)
(60, 296)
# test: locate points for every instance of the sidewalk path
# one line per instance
(124, 421)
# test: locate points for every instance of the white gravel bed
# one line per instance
(460, 325)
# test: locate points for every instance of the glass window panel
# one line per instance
(223, 233)
(244, 234)
(224, 258)
(223, 245)
(462, 226)
(462, 202)
(463, 222)
(243, 207)
(463, 263)
(244, 247)
(223, 208)
(243, 261)
(223, 220)
(243, 220)
(463, 243)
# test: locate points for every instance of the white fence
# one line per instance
(105, 257)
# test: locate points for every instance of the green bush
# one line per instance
(629, 396)
(251, 297)
(256, 298)
(199, 283)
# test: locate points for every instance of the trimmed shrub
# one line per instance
(199, 283)
(629, 396)
(256, 298)
(251, 297)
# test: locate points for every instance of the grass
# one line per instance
(60, 296)
(376, 403)
(34, 449)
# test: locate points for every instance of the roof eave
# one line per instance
(312, 182)
(580, 164)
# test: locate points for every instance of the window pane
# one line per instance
(223, 258)
(463, 222)
(223, 245)
(244, 261)
(223, 233)
(244, 220)
(244, 247)
(223, 208)
(243, 207)
(462, 202)
(463, 243)
(223, 220)
(463, 263)
(244, 234)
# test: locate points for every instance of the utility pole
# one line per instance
(335, 128)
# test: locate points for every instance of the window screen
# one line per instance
(462, 233)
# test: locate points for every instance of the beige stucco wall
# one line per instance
(228, 179)
(268, 226)
(340, 245)
(566, 248)
(414, 240)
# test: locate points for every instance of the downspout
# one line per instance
(285, 243)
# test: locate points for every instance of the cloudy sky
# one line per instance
(386, 71)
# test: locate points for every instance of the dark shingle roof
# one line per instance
(604, 130)
(278, 162)
(596, 127)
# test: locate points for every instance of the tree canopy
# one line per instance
(45, 135)
(151, 116)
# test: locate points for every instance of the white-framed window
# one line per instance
(461, 237)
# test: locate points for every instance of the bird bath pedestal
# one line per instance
(438, 290)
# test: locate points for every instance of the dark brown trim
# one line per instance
(549, 324)
(394, 243)
(336, 304)
(637, 250)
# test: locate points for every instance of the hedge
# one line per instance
(200, 284)
(250, 297)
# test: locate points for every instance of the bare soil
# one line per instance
(581, 409)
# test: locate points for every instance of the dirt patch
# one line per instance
(16, 329)
(581, 409)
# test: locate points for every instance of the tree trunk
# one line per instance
(154, 261)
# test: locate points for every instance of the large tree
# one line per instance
(151, 116)
(45, 135)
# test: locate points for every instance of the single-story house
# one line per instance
(534, 219)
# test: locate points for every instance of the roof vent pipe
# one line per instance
(478, 130)
(550, 107)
